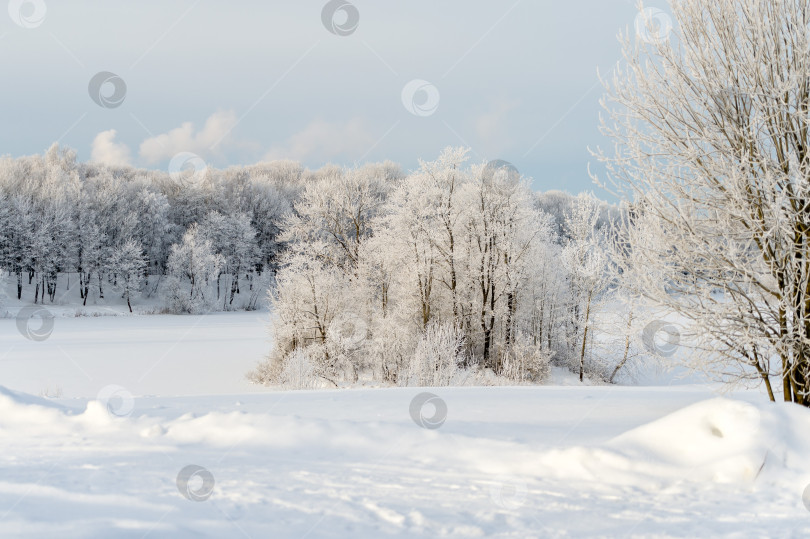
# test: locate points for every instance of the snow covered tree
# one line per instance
(444, 179)
(153, 227)
(58, 217)
(234, 238)
(337, 210)
(710, 129)
(586, 264)
(19, 225)
(127, 263)
(438, 270)
(502, 232)
(3, 296)
(307, 301)
(92, 250)
(193, 263)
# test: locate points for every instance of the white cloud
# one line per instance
(185, 138)
(322, 141)
(105, 150)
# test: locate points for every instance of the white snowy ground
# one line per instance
(672, 461)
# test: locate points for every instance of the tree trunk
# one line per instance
(86, 288)
(626, 348)
(234, 288)
(510, 312)
(585, 338)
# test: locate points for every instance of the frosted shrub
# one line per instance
(317, 365)
(336, 364)
(391, 348)
(298, 371)
(526, 362)
(179, 299)
(267, 372)
(346, 340)
(437, 357)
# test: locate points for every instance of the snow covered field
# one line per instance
(148, 355)
(504, 461)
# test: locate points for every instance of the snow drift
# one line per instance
(284, 462)
(718, 440)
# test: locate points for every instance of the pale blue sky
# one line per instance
(516, 81)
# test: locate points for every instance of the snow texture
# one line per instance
(505, 461)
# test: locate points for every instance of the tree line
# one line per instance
(424, 277)
(191, 238)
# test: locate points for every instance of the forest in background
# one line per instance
(372, 272)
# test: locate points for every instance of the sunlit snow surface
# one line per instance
(671, 461)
